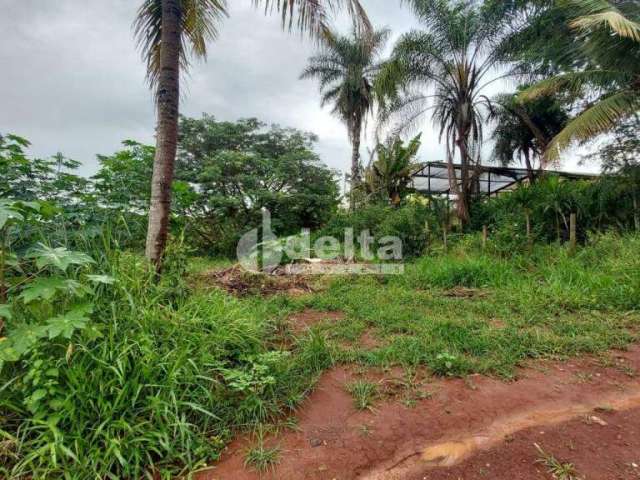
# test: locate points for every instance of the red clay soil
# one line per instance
(584, 411)
(300, 322)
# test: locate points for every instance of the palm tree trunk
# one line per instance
(462, 205)
(167, 105)
(355, 160)
(527, 161)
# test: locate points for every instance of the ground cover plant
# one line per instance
(156, 378)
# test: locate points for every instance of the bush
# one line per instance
(406, 222)
(150, 382)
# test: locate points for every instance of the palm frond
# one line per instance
(596, 120)
(198, 23)
(312, 16)
(573, 82)
(603, 13)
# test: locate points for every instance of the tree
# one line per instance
(168, 32)
(608, 36)
(524, 129)
(446, 69)
(346, 68)
(25, 178)
(621, 149)
(239, 168)
(390, 175)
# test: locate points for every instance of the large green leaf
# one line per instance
(25, 336)
(7, 213)
(65, 325)
(5, 312)
(59, 257)
(45, 288)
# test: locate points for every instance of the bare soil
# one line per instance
(300, 322)
(585, 411)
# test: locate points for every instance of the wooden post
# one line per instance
(527, 216)
(572, 233)
(444, 238)
(427, 232)
(485, 236)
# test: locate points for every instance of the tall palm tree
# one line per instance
(446, 70)
(608, 36)
(390, 175)
(346, 67)
(524, 129)
(168, 33)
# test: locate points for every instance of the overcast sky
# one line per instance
(73, 81)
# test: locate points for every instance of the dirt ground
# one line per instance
(585, 412)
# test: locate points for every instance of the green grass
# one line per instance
(260, 457)
(547, 305)
(557, 469)
(364, 394)
(174, 373)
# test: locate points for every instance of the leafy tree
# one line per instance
(608, 36)
(26, 178)
(122, 181)
(621, 149)
(390, 175)
(238, 168)
(168, 31)
(346, 68)
(524, 129)
(446, 70)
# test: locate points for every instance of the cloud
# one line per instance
(74, 82)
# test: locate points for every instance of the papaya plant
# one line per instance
(46, 291)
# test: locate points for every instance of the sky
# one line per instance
(73, 81)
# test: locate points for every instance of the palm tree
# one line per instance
(168, 33)
(524, 129)
(609, 37)
(446, 69)
(392, 172)
(346, 68)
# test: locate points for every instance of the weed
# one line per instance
(261, 457)
(559, 470)
(364, 394)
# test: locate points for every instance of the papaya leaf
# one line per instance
(58, 257)
(5, 312)
(46, 288)
(65, 325)
(7, 213)
(25, 336)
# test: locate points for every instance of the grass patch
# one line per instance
(364, 394)
(170, 372)
(557, 469)
(260, 457)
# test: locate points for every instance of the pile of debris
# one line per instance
(238, 281)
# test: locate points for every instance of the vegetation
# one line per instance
(523, 130)
(608, 37)
(346, 68)
(388, 177)
(110, 370)
(168, 32)
(446, 70)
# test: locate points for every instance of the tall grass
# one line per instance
(158, 390)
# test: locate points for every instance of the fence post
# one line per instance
(485, 236)
(444, 238)
(427, 232)
(572, 233)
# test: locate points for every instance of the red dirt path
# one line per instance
(581, 411)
